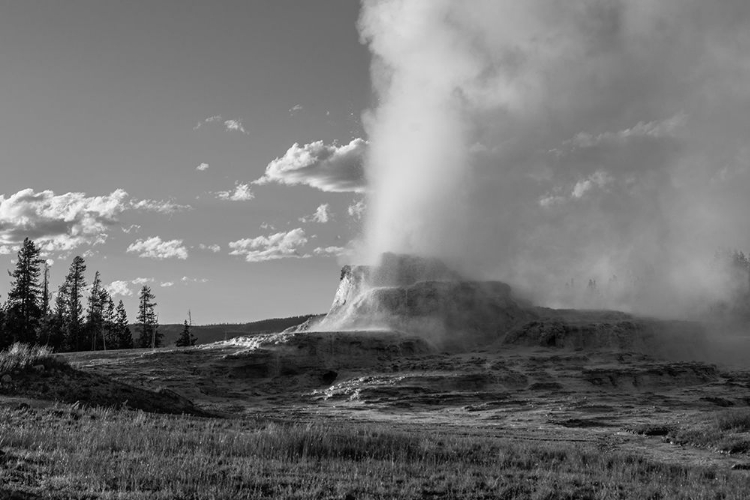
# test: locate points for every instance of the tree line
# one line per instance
(80, 318)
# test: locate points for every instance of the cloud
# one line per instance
(329, 168)
(166, 284)
(321, 215)
(272, 247)
(357, 209)
(186, 280)
(202, 167)
(296, 109)
(119, 288)
(160, 206)
(332, 251)
(213, 248)
(155, 248)
(598, 179)
(142, 281)
(131, 228)
(642, 130)
(59, 222)
(241, 192)
(230, 125)
(235, 125)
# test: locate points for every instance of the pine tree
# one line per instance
(124, 337)
(108, 321)
(58, 322)
(24, 311)
(45, 290)
(186, 338)
(147, 321)
(5, 339)
(94, 313)
(75, 284)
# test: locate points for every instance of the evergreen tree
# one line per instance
(75, 284)
(5, 339)
(45, 290)
(58, 320)
(24, 311)
(94, 314)
(108, 321)
(186, 338)
(147, 321)
(124, 337)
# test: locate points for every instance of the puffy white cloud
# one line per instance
(296, 109)
(59, 222)
(167, 284)
(231, 124)
(357, 209)
(321, 215)
(213, 248)
(160, 206)
(235, 125)
(332, 251)
(272, 247)
(66, 221)
(119, 288)
(155, 248)
(202, 167)
(241, 192)
(142, 281)
(329, 168)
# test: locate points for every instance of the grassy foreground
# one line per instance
(69, 452)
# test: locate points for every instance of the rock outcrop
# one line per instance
(424, 297)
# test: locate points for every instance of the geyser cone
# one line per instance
(423, 296)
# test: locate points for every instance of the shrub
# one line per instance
(23, 357)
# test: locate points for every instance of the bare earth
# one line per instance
(594, 397)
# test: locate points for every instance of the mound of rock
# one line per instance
(422, 296)
(596, 330)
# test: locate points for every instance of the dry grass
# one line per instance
(65, 452)
(727, 431)
(21, 357)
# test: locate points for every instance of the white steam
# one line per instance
(551, 143)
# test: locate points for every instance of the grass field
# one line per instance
(70, 452)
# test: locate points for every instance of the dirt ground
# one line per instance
(598, 397)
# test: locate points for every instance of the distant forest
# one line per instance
(83, 317)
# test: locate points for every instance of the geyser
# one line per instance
(555, 144)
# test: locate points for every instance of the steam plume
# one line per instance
(550, 143)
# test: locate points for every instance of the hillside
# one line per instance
(206, 334)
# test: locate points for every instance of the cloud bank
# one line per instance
(66, 221)
(241, 192)
(272, 247)
(330, 168)
(546, 142)
(156, 248)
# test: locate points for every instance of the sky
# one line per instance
(132, 134)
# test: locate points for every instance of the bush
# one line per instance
(736, 421)
(23, 357)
